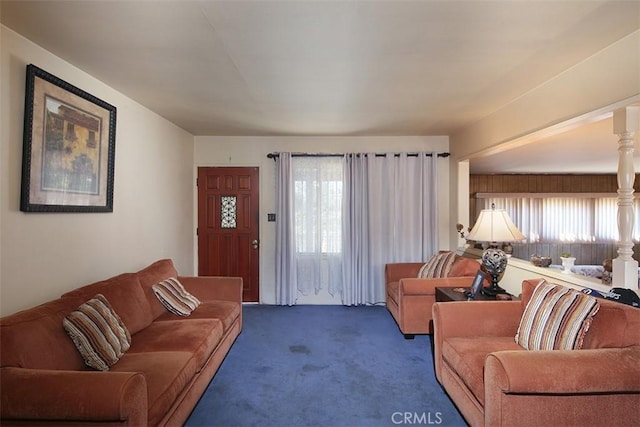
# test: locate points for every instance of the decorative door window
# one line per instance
(228, 211)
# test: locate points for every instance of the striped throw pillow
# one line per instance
(175, 297)
(438, 266)
(98, 333)
(556, 318)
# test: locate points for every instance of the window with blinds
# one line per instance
(569, 218)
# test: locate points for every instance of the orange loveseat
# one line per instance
(158, 380)
(495, 382)
(409, 299)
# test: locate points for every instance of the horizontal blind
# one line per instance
(577, 218)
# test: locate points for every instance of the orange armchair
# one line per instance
(409, 299)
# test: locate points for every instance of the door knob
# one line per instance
(255, 244)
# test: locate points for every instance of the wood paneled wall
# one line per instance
(585, 253)
(550, 183)
(516, 183)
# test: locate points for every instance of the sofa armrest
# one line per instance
(395, 272)
(63, 396)
(575, 372)
(428, 286)
(207, 288)
(599, 387)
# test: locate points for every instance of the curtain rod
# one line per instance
(276, 155)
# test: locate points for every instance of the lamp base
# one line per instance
(494, 262)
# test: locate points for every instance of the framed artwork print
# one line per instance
(68, 148)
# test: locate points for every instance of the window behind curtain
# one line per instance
(318, 194)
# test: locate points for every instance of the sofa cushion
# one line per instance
(466, 355)
(601, 334)
(125, 295)
(98, 333)
(167, 373)
(555, 318)
(438, 265)
(152, 274)
(225, 311)
(464, 267)
(35, 338)
(626, 332)
(175, 297)
(199, 337)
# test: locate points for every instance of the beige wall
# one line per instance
(43, 255)
(604, 81)
(252, 151)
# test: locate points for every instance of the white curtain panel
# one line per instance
(430, 202)
(286, 278)
(416, 222)
(357, 216)
(391, 217)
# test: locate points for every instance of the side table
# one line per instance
(444, 294)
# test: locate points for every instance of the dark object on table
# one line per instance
(622, 295)
(607, 274)
(540, 261)
(476, 285)
(625, 296)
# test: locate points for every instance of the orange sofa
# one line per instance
(409, 299)
(158, 380)
(495, 382)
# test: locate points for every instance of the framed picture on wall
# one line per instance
(68, 148)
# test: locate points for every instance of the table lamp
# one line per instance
(493, 226)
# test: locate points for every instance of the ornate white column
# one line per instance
(626, 122)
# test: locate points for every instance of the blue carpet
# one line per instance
(324, 366)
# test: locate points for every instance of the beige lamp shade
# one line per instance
(494, 225)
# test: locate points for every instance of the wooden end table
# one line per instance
(444, 294)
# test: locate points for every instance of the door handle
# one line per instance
(255, 244)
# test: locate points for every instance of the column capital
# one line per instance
(626, 120)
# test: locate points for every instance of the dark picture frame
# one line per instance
(68, 147)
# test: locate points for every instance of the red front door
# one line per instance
(228, 221)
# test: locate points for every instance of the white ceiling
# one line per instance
(323, 67)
